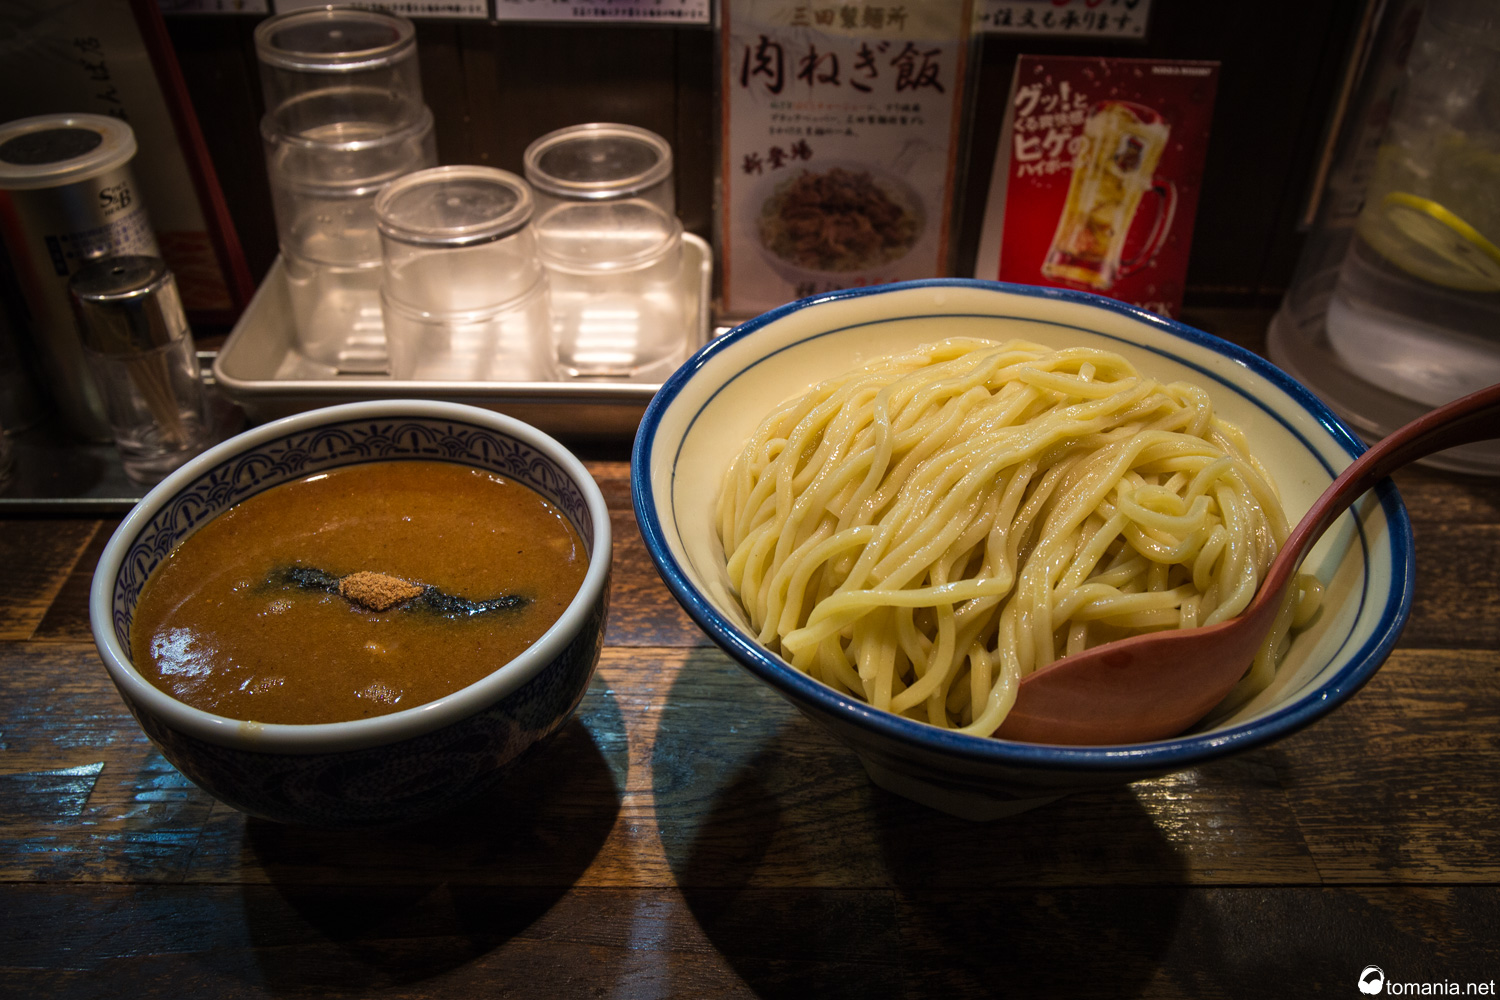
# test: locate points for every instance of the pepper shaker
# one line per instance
(140, 352)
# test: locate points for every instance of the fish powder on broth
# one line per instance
(219, 627)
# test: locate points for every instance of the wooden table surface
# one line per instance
(689, 834)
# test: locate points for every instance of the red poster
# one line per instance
(1097, 183)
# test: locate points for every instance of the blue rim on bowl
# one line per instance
(1161, 756)
(180, 497)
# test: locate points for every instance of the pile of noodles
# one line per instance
(926, 530)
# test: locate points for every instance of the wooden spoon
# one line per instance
(1154, 686)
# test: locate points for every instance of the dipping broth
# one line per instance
(256, 615)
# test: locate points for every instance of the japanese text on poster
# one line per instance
(1094, 19)
(417, 9)
(622, 11)
(840, 126)
(1097, 177)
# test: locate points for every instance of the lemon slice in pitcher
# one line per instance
(1426, 239)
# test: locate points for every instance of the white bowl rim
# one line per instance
(1158, 756)
(356, 734)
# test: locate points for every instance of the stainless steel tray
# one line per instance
(260, 369)
(55, 473)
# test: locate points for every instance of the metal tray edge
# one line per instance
(567, 408)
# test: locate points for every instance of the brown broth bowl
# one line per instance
(394, 768)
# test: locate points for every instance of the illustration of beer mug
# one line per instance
(1112, 174)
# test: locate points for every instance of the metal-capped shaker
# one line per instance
(68, 196)
(140, 351)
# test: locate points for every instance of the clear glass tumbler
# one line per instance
(324, 62)
(463, 294)
(614, 270)
(344, 116)
(323, 189)
(600, 161)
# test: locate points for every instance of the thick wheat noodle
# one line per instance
(926, 530)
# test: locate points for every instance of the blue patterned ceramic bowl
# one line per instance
(703, 414)
(390, 768)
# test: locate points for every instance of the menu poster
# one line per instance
(1097, 178)
(839, 146)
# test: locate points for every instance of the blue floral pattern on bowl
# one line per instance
(398, 782)
(300, 454)
(388, 769)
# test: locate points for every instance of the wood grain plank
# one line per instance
(1444, 498)
(680, 769)
(217, 58)
(1197, 943)
(37, 555)
(1400, 784)
(1456, 604)
(612, 473)
(440, 58)
(695, 139)
(459, 939)
(448, 940)
(611, 805)
(746, 788)
(642, 612)
(68, 617)
(83, 794)
(516, 93)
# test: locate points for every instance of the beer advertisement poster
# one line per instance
(840, 137)
(1097, 177)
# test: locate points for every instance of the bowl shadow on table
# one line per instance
(355, 910)
(755, 802)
